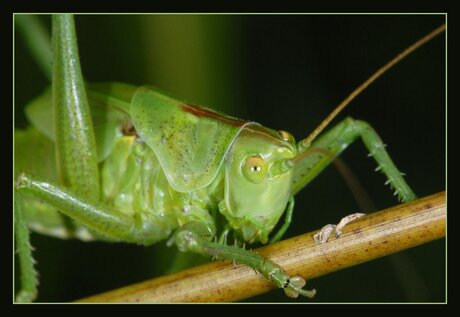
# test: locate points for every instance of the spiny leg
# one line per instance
(75, 149)
(194, 237)
(29, 276)
(334, 142)
(337, 140)
(287, 221)
(95, 216)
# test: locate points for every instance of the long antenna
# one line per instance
(305, 143)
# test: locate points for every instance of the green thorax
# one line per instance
(190, 141)
(194, 145)
(133, 182)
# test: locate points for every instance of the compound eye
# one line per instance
(255, 169)
(286, 136)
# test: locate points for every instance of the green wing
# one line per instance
(34, 154)
(190, 141)
(109, 102)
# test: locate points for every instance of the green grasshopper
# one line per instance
(155, 168)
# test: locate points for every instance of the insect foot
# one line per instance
(325, 233)
(191, 237)
(294, 287)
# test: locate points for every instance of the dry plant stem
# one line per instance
(376, 235)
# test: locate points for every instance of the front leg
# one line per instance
(323, 235)
(195, 237)
(332, 143)
(287, 222)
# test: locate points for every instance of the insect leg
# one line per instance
(224, 235)
(75, 142)
(29, 278)
(331, 144)
(95, 216)
(287, 221)
(74, 133)
(323, 235)
(338, 139)
(194, 237)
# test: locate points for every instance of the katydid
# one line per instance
(166, 169)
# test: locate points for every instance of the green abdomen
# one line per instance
(134, 183)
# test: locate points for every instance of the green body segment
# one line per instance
(134, 183)
(189, 141)
(110, 104)
(137, 204)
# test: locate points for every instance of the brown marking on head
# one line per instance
(206, 113)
